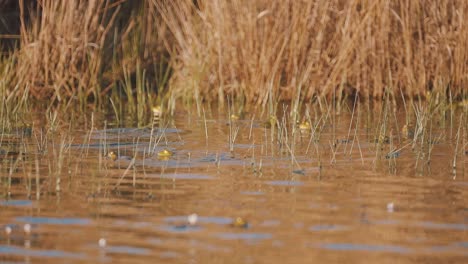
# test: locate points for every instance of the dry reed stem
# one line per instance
(61, 51)
(256, 48)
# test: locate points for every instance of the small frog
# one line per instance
(240, 223)
(304, 126)
(165, 153)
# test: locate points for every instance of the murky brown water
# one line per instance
(359, 207)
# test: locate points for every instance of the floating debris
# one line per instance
(8, 230)
(27, 228)
(102, 242)
(344, 141)
(393, 154)
(390, 207)
(192, 219)
(240, 223)
(300, 172)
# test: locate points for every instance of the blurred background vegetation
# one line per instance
(147, 51)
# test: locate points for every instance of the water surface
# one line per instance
(329, 200)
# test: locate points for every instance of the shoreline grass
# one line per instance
(158, 52)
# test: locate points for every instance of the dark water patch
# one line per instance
(182, 176)
(426, 224)
(457, 248)
(232, 162)
(343, 141)
(127, 250)
(448, 226)
(209, 158)
(169, 163)
(217, 157)
(19, 203)
(393, 154)
(300, 172)
(244, 236)
(182, 161)
(180, 228)
(121, 132)
(285, 183)
(463, 244)
(364, 247)
(114, 133)
(106, 145)
(19, 251)
(54, 221)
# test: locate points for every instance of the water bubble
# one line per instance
(102, 242)
(8, 230)
(192, 219)
(27, 228)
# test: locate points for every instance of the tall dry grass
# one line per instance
(254, 50)
(62, 48)
(283, 49)
(86, 49)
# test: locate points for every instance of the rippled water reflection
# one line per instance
(329, 202)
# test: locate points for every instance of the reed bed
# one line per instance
(51, 154)
(251, 51)
(59, 56)
(324, 48)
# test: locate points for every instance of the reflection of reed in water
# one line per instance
(8, 153)
(10, 148)
(407, 131)
(156, 115)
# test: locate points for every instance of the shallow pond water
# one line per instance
(279, 196)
